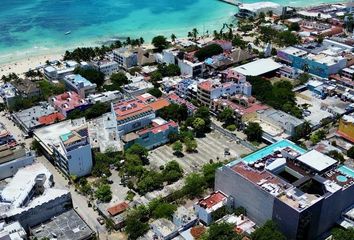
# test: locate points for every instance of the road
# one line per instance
(79, 201)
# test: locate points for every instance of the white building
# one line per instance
(79, 84)
(67, 144)
(12, 231)
(213, 89)
(190, 69)
(137, 86)
(125, 58)
(13, 159)
(348, 72)
(30, 198)
(205, 207)
(60, 70)
(258, 67)
(104, 135)
(105, 97)
(132, 115)
(106, 67)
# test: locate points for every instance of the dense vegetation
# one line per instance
(94, 76)
(278, 95)
(94, 111)
(208, 51)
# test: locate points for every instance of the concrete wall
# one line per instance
(42, 213)
(258, 203)
(9, 169)
(286, 218)
(80, 163)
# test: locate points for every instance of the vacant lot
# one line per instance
(210, 147)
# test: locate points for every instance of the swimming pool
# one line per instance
(270, 149)
(347, 171)
(342, 178)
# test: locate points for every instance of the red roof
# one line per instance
(159, 104)
(117, 209)
(51, 118)
(173, 97)
(158, 128)
(206, 85)
(212, 199)
(240, 109)
(253, 175)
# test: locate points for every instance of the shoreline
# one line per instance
(31, 62)
(21, 61)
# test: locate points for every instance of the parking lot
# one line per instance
(211, 147)
(319, 109)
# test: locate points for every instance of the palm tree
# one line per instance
(141, 40)
(216, 34)
(173, 37)
(195, 33)
(190, 35)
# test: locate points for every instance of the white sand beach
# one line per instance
(23, 65)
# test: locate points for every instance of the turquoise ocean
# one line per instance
(37, 27)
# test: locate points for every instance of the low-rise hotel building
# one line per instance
(67, 145)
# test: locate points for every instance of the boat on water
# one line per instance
(68, 32)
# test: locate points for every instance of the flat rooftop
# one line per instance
(281, 117)
(316, 160)
(264, 179)
(258, 67)
(103, 133)
(66, 226)
(50, 135)
(22, 183)
(35, 116)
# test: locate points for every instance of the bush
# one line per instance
(231, 127)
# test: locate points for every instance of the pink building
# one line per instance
(67, 102)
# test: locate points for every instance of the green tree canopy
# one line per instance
(224, 231)
(177, 146)
(227, 116)
(93, 75)
(194, 185)
(119, 79)
(160, 42)
(208, 51)
(104, 193)
(191, 144)
(209, 173)
(135, 227)
(254, 132)
(343, 234)
(268, 231)
(138, 150)
(155, 92)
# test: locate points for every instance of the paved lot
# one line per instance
(210, 147)
(315, 106)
